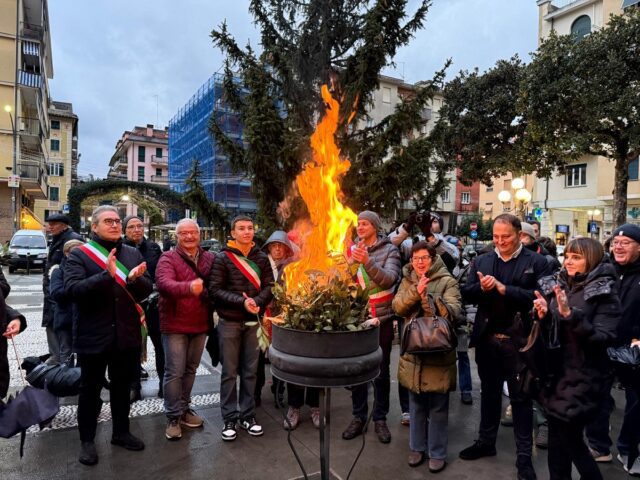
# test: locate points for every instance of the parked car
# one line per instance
(211, 245)
(28, 248)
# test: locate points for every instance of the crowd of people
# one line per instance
(540, 331)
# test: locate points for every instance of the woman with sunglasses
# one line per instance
(583, 310)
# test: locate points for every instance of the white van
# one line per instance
(27, 248)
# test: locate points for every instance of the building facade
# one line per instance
(62, 167)
(190, 140)
(141, 155)
(25, 69)
(579, 202)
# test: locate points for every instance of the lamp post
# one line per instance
(522, 198)
(592, 213)
(16, 188)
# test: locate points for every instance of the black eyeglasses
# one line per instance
(112, 221)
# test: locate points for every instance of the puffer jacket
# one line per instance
(227, 285)
(577, 389)
(629, 278)
(437, 372)
(107, 317)
(150, 252)
(180, 311)
(383, 268)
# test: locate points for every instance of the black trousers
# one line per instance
(296, 396)
(120, 364)
(153, 327)
(4, 368)
(498, 361)
(567, 446)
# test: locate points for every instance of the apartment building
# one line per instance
(141, 155)
(62, 167)
(579, 202)
(25, 69)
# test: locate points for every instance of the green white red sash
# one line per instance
(249, 269)
(99, 255)
(376, 294)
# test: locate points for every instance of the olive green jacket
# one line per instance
(437, 372)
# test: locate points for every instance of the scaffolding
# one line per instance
(189, 139)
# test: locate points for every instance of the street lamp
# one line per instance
(16, 188)
(522, 197)
(592, 213)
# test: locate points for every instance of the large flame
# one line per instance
(319, 187)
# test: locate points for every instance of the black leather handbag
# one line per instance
(426, 335)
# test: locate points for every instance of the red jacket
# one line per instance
(180, 311)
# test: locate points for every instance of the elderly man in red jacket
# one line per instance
(185, 318)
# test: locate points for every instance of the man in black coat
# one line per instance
(625, 243)
(502, 284)
(106, 279)
(58, 226)
(134, 237)
(11, 323)
(240, 287)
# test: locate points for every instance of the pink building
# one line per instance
(141, 155)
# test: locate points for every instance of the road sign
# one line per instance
(473, 226)
(593, 227)
(473, 234)
(537, 213)
(14, 181)
(65, 208)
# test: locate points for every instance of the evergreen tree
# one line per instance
(344, 44)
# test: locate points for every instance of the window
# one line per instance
(158, 172)
(141, 153)
(158, 152)
(386, 95)
(576, 175)
(54, 194)
(507, 185)
(55, 145)
(633, 169)
(581, 27)
(141, 173)
(465, 198)
(55, 124)
(56, 169)
(490, 189)
(445, 195)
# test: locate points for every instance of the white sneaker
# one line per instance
(251, 426)
(635, 468)
(623, 459)
(229, 431)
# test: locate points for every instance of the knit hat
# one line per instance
(528, 229)
(628, 230)
(129, 217)
(437, 217)
(372, 218)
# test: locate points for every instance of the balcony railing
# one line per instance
(160, 160)
(29, 126)
(160, 179)
(117, 176)
(31, 31)
(33, 80)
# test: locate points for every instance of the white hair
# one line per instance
(187, 220)
(95, 215)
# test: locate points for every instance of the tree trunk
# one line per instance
(620, 190)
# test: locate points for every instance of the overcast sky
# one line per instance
(117, 60)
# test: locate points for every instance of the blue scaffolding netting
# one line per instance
(189, 139)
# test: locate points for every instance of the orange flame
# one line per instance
(319, 187)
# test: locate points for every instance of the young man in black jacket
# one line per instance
(240, 288)
(502, 284)
(106, 280)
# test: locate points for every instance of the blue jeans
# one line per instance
(464, 372)
(182, 357)
(428, 430)
(239, 349)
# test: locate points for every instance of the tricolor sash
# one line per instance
(249, 269)
(98, 254)
(376, 294)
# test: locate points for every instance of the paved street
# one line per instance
(52, 454)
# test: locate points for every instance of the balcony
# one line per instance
(30, 128)
(31, 31)
(159, 160)
(28, 79)
(121, 164)
(116, 175)
(160, 179)
(33, 178)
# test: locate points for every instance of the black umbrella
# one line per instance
(30, 406)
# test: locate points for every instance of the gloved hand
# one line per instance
(423, 220)
(410, 222)
(372, 322)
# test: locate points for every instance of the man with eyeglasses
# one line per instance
(134, 237)
(625, 254)
(106, 280)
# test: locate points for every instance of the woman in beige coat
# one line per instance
(428, 378)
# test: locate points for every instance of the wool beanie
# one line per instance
(129, 217)
(372, 218)
(628, 230)
(440, 220)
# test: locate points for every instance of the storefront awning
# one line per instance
(29, 221)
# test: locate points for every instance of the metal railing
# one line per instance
(29, 126)
(31, 172)
(159, 179)
(31, 31)
(164, 160)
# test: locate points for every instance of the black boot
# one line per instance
(88, 453)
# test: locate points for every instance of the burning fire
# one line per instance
(319, 187)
